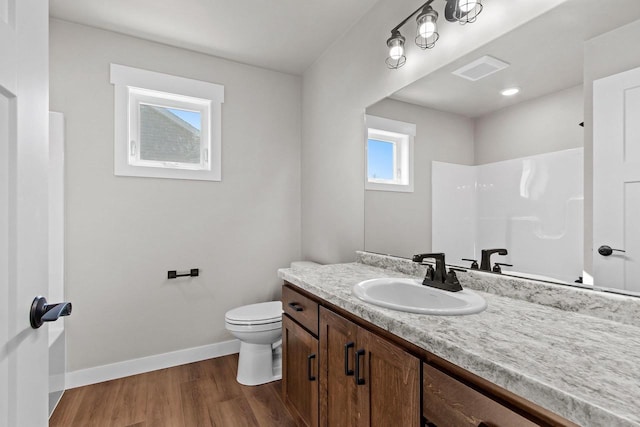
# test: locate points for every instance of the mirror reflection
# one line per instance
(498, 151)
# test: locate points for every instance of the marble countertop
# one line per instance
(584, 368)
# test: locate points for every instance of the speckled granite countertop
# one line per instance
(584, 368)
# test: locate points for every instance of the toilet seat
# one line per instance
(264, 313)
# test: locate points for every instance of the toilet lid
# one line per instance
(264, 312)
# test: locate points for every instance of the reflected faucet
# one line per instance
(439, 278)
(485, 261)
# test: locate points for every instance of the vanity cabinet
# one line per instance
(364, 379)
(449, 402)
(340, 370)
(300, 371)
(300, 356)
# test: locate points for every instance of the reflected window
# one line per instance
(389, 154)
(381, 160)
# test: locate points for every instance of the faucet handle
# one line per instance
(451, 277)
(474, 263)
(497, 269)
(431, 273)
(452, 280)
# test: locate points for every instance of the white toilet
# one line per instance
(259, 329)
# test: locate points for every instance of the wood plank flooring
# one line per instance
(198, 394)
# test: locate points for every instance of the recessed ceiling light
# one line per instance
(511, 91)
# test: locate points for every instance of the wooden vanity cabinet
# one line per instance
(339, 370)
(448, 402)
(365, 380)
(300, 377)
(300, 371)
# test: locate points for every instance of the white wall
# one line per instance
(541, 125)
(605, 55)
(352, 75)
(400, 223)
(124, 233)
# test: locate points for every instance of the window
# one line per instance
(166, 126)
(389, 154)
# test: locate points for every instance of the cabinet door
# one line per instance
(389, 383)
(300, 369)
(337, 379)
(448, 402)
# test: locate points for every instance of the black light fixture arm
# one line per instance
(397, 27)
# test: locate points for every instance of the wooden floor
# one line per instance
(198, 394)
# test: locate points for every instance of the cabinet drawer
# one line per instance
(448, 402)
(300, 308)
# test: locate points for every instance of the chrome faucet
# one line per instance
(439, 278)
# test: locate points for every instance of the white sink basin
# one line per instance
(412, 296)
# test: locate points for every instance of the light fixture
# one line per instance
(427, 31)
(395, 43)
(462, 11)
(510, 91)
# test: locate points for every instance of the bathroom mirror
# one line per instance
(495, 171)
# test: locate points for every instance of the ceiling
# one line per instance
(282, 35)
(545, 56)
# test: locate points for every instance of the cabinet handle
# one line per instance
(359, 381)
(309, 368)
(347, 346)
(295, 306)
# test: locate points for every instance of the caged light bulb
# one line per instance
(467, 5)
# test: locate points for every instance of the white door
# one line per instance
(23, 209)
(616, 181)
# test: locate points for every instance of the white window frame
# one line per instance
(401, 135)
(134, 87)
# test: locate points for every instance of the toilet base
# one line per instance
(259, 364)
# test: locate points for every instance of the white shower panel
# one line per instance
(532, 206)
(454, 212)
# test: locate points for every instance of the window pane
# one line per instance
(380, 159)
(169, 134)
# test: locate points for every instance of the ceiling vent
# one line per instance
(480, 68)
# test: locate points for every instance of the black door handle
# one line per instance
(295, 306)
(310, 375)
(605, 250)
(42, 312)
(347, 346)
(359, 381)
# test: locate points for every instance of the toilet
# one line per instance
(259, 329)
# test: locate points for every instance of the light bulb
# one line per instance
(467, 5)
(427, 29)
(395, 43)
(396, 51)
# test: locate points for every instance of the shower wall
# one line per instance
(532, 206)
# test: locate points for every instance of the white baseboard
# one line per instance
(112, 371)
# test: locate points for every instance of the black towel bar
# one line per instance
(195, 272)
